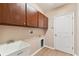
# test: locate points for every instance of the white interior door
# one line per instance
(64, 33)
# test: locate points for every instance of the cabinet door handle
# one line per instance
(20, 53)
(24, 23)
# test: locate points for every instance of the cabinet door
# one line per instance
(31, 16)
(17, 14)
(1, 13)
(4, 14)
(40, 20)
(13, 13)
(45, 22)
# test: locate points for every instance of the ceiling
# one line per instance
(47, 7)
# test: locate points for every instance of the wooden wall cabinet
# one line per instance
(31, 16)
(17, 14)
(3, 12)
(1, 7)
(12, 14)
(22, 14)
(36, 18)
(42, 21)
(45, 22)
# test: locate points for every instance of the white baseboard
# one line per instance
(37, 51)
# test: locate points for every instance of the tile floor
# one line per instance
(50, 52)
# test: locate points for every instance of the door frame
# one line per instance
(73, 29)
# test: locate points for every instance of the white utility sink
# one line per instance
(11, 48)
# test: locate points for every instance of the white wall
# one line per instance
(18, 33)
(49, 35)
